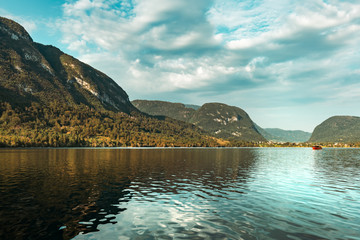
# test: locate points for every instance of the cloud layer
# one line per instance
(262, 55)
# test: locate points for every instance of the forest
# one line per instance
(60, 125)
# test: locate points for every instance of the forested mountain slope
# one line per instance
(32, 72)
(217, 119)
(48, 98)
(337, 129)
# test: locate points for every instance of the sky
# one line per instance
(289, 64)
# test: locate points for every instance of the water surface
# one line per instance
(247, 193)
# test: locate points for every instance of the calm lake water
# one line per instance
(246, 193)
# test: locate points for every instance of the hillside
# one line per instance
(34, 73)
(158, 108)
(68, 126)
(217, 119)
(264, 133)
(280, 135)
(344, 129)
(50, 99)
(226, 121)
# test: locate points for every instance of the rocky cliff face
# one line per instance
(226, 121)
(218, 119)
(32, 72)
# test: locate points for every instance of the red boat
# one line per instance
(316, 147)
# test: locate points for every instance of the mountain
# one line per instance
(158, 108)
(32, 72)
(264, 133)
(195, 107)
(226, 121)
(280, 135)
(344, 129)
(218, 119)
(51, 99)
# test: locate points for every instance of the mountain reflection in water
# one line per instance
(179, 193)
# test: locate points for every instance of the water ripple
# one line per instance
(180, 194)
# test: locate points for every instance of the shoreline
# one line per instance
(155, 148)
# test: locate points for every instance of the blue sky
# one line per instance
(290, 64)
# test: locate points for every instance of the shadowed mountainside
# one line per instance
(32, 72)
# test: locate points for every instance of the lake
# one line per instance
(177, 193)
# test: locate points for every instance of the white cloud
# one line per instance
(168, 26)
(313, 16)
(272, 52)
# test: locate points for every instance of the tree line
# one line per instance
(61, 125)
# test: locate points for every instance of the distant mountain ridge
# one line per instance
(280, 135)
(337, 129)
(218, 119)
(32, 72)
(283, 136)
